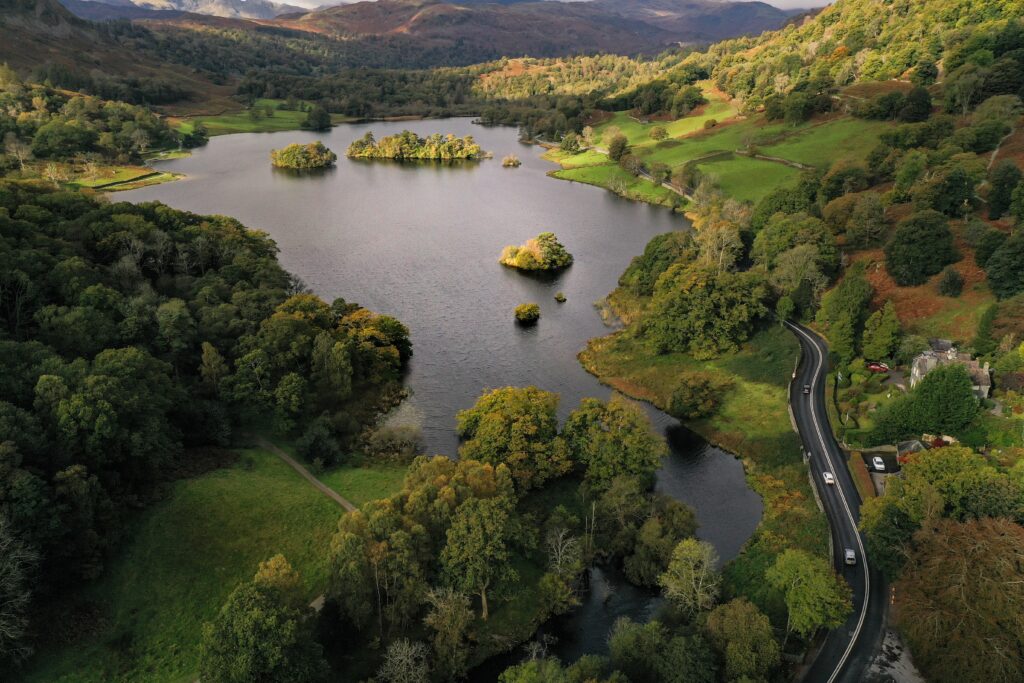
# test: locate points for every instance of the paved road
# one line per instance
(849, 649)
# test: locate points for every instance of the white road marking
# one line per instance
(846, 506)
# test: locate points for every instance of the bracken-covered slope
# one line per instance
(34, 33)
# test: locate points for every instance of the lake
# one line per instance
(421, 242)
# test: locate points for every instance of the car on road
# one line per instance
(851, 557)
(829, 479)
(878, 367)
(878, 463)
(807, 388)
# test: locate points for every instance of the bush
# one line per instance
(951, 283)
(658, 133)
(511, 161)
(699, 394)
(318, 443)
(399, 443)
(710, 123)
(527, 313)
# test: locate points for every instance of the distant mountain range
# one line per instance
(102, 10)
(482, 28)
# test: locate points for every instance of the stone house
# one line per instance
(943, 352)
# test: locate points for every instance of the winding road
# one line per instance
(849, 649)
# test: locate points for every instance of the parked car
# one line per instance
(829, 479)
(878, 367)
(807, 388)
(878, 463)
(851, 557)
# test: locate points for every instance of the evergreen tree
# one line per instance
(881, 333)
(919, 248)
(1006, 267)
(1003, 179)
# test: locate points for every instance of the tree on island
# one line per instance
(313, 155)
(527, 313)
(408, 145)
(543, 252)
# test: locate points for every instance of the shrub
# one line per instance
(527, 313)
(951, 283)
(698, 394)
(511, 161)
(710, 123)
(318, 443)
(658, 133)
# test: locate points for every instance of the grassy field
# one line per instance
(186, 553)
(638, 133)
(611, 177)
(244, 122)
(109, 175)
(743, 178)
(753, 423)
(748, 179)
(363, 484)
(821, 145)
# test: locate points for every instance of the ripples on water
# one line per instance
(421, 242)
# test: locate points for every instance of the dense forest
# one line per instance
(39, 122)
(135, 339)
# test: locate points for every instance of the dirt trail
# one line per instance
(298, 467)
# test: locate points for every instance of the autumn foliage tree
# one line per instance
(517, 427)
(960, 603)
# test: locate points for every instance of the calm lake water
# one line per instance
(421, 242)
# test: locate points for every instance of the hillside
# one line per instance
(101, 10)
(39, 33)
(464, 32)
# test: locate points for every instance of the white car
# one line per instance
(878, 463)
(807, 388)
(829, 479)
(851, 557)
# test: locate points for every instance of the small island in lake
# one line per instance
(543, 252)
(527, 314)
(407, 146)
(511, 161)
(313, 155)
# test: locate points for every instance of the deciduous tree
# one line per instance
(691, 581)
(815, 596)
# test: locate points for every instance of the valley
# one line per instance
(216, 464)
